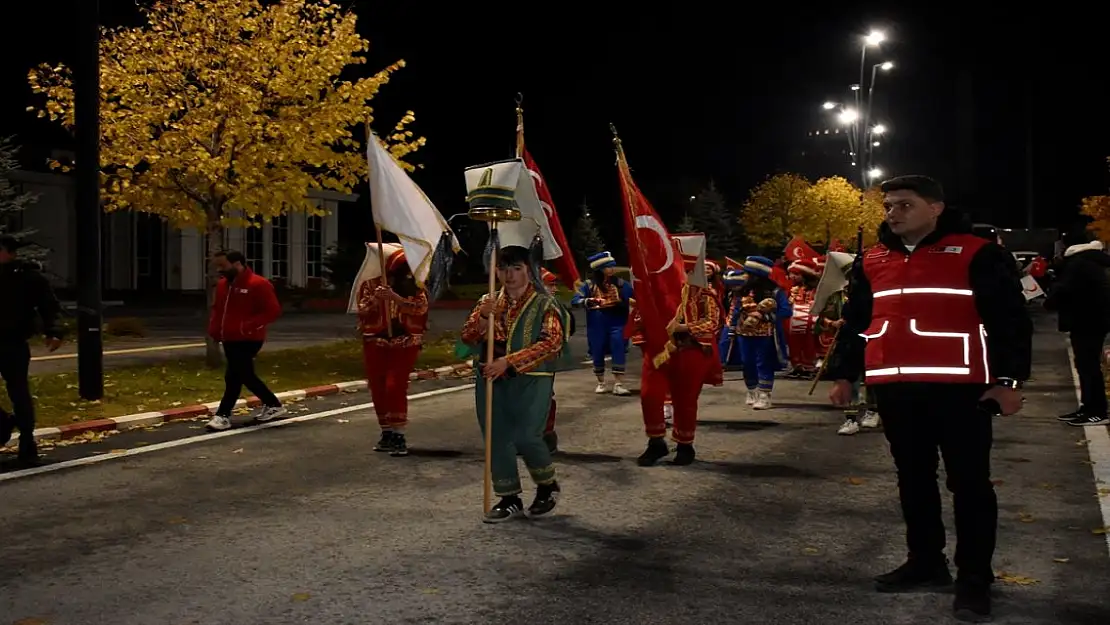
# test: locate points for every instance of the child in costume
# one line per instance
(605, 298)
(729, 346)
(801, 338)
(763, 308)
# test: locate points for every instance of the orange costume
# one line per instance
(392, 334)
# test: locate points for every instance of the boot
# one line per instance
(684, 454)
(656, 451)
(915, 574)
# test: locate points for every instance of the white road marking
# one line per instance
(1098, 448)
(14, 475)
(130, 350)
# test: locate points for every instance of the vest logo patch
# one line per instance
(949, 249)
(879, 253)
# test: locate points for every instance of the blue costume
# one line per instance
(606, 316)
(762, 340)
(729, 343)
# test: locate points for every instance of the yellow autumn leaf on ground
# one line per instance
(1100, 530)
(855, 481)
(810, 551)
(30, 621)
(301, 596)
(1025, 517)
(1019, 580)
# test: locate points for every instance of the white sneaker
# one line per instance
(668, 414)
(870, 420)
(601, 388)
(762, 400)
(849, 428)
(269, 413)
(751, 398)
(219, 423)
(618, 389)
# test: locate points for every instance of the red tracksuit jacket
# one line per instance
(243, 309)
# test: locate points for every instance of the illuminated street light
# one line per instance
(828, 106)
(854, 87)
(875, 173)
(887, 66)
(875, 38)
(849, 116)
(878, 129)
(875, 144)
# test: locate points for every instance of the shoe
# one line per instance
(552, 441)
(973, 601)
(28, 454)
(849, 428)
(656, 451)
(751, 398)
(762, 400)
(505, 509)
(870, 420)
(546, 495)
(7, 424)
(386, 442)
(618, 389)
(1088, 419)
(400, 446)
(601, 388)
(684, 454)
(913, 575)
(269, 413)
(219, 423)
(1071, 416)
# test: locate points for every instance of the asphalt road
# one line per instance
(780, 521)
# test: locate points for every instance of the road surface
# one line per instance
(780, 521)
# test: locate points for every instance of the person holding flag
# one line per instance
(605, 298)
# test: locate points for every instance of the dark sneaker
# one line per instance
(28, 455)
(915, 575)
(973, 601)
(386, 442)
(7, 424)
(656, 451)
(1071, 416)
(1084, 420)
(552, 440)
(505, 509)
(684, 454)
(400, 446)
(546, 494)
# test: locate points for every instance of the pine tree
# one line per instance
(14, 201)
(686, 225)
(587, 238)
(709, 214)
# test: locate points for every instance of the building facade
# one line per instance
(143, 253)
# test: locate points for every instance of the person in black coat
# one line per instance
(26, 294)
(1081, 298)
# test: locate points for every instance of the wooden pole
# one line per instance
(487, 478)
(387, 305)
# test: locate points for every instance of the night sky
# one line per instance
(701, 92)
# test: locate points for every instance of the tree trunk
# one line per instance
(214, 240)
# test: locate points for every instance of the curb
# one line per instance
(146, 419)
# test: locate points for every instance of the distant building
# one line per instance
(142, 253)
(824, 152)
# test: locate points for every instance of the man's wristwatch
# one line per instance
(1010, 383)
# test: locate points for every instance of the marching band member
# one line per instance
(531, 331)
(763, 308)
(804, 273)
(605, 298)
(392, 317)
(550, 282)
(730, 330)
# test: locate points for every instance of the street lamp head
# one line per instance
(875, 144)
(848, 116)
(854, 87)
(828, 106)
(875, 38)
(875, 173)
(878, 129)
(887, 66)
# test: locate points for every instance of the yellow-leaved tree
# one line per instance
(780, 208)
(1097, 207)
(837, 201)
(871, 215)
(228, 112)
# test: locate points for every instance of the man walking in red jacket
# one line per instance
(245, 304)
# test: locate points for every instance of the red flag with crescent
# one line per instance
(655, 260)
(564, 265)
(733, 265)
(797, 249)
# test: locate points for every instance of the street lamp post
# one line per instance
(886, 67)
(873, 39)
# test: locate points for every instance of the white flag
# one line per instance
(401, 207)
(693, 245)
(1031, 288)
(513, 175)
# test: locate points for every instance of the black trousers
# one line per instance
(919, 419)
(1086, 345)
(15, 362)
(239, 373)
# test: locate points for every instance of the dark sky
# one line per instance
(701, 92)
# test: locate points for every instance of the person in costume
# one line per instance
(693, 363)
(729, 346)
(605, 297)
(802, 340)
(392, 317)
(763, 308)
(550, 282)
(860, 412)
(531, 333)
(715, 280)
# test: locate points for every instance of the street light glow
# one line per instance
(887, 66)
(875, 144)
(875, 173)
(878, 129)
(828, 106)
(875, 38)
(849, 116)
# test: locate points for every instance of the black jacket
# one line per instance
(1081, 293)
(24, 295)
(999, 297)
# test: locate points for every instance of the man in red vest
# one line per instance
(938, 326)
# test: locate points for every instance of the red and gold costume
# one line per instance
(694, 364)
(392, 335)
(801, 336)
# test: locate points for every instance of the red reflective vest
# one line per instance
(924, 323)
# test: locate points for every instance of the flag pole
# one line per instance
(836, 337)
(386, 304)
(519, 125)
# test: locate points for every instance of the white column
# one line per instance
(192, 260)
(297, 231)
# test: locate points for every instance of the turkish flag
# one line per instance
(565, 266)
(1038, 267)
(733, 265)
(655, 260)
(797, 249)
(781, 278)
